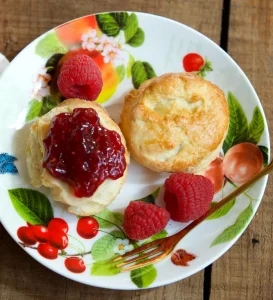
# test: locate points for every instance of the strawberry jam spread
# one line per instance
(82, 152)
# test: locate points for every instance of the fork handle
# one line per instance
(179, 235)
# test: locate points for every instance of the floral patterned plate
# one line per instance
(129, 48)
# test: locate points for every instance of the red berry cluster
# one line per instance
(54, 237)
(51, 239)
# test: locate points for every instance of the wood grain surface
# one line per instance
(245, 272)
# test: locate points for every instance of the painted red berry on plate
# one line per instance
(40, 233)
(194, 62)
(242, 162)
(142, 220)
(75, 264)
(187, 196)
(30, 225)
(47, 251)
(58, 224)
(87, 227)
(25, 234)
(57, 239)
(80, 77)
(215, 172)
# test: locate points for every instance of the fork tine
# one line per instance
(145, 263)
(138, 249)
(126, 262)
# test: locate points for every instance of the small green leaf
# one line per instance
(143, 277)
(121, 72)
(49, 45)
(108, 24)
(238, 125)
(106, 219)
(31, 205)
(119, 218)
(150, 198)
(34, 108)
(53, 62)
(103, 248)
(256, 127)
(121, 18)
(104, 268)
(232, 231)
(138, 39)
(141, 71)
(131, 28)
(265, 154)
(118, 234)
(160, 235)
(48, 103)
(222, 211)
(129, 66)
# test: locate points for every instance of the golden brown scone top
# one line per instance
(175, 122)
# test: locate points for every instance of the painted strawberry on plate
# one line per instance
(193, 62)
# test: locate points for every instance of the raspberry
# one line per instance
(80, 77)
(187, 196)
(142, 220)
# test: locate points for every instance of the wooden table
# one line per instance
(245, 29)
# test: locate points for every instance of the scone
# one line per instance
(176, 122)
(83, 164)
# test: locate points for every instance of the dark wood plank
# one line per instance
(21, 21)
(246, 271)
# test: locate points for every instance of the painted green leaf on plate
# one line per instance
(131, 28)
(141, 71)
(222, 211)
(49, 45)
(53, 61)
(121, 72)
(238, 125)
(31, 205)
(119, 218)
(34, 108)
(265, 154)
(106, 219)
(138, 39)
(48, 102)
(160, 235)
(232, 231)
(151, 197)
(256, 127)
(129, 66)
(103, 248)
(121, 18)
(143, 277)
(104, 268)
(108, 24)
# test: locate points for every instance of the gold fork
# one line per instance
(159, 249)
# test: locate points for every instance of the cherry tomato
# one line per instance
(40, 233)
(58, 239)
(59, 224)
(47, 251)
(193, 62)
(87, 227)
(75, 264)
(25, 234)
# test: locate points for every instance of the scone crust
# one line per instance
(60, 190)
(175, 122)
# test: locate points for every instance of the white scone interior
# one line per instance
(60, 190)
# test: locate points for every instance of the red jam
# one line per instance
(82, 152)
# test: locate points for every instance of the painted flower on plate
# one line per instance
(122, 246)
(111, 54)
(90, 40)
